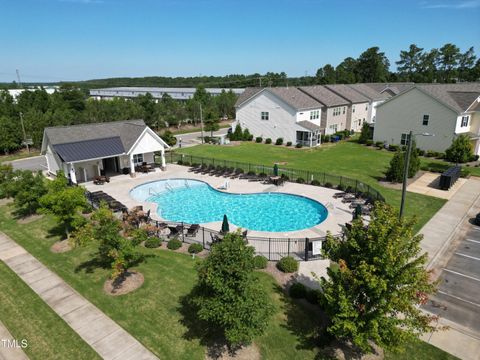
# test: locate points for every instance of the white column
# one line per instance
(132, 165)
(73, 177)
(85, 174)
(163, 159)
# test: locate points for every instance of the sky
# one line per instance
(53, 40)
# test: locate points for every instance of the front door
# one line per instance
(110, 165)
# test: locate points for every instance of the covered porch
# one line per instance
(308, 138)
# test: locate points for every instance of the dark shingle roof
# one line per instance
(90, 149)
(348, 93)
(457, 96)
(128, 131)
(369, 92)
(308, 125)
(296, 98)
(324, 96)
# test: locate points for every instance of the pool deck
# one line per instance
(338, 212)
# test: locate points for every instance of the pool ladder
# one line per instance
(186, 184)
(168, 187)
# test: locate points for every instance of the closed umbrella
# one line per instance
(225, 226)
(275, 170)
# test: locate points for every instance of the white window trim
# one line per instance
(428, 119)
(264, 115)
(464, 121)
(137, 159)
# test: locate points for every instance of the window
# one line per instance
(337, 111)
(464, 121)
(404, 139)
(315, 114)
(366, 107)
(334, 127)
(353, 108)
(264, 115)
(138, 159)
(425, 119)
(344, 109)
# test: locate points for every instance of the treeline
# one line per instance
(69, 106)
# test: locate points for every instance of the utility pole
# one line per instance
(201, 120)
(260, 80)
(405, 172)
(25, 141)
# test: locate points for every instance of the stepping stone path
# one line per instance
(104, 335)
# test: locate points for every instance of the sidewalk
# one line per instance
(105, 336)
(439, 234)
(9, 353)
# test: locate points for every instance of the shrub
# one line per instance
(298, 291)
(289, 143)
(365, 134)
(152, 242)
(369, 142)
(260, 262)
(313, 296)
(421, 152)
(285, 177)
(393, 148)
(238, 171)
(237, 134)
(180, 162)
(186, 163)
(341, 187)
(174, 244)
(258, 139)
(246, 135)
(262, 175)
(379, 144)
(461, 150)
(279, 141)
(268, 141)
(430, 153)
(327, 138)
(328, 185)
(251, 172)
(195, 248)
(301, 180)
(315, 182)
(287, 264)
(440, 155)
(299, 146)
(169, 138)
(475, 158)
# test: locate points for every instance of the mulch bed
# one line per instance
(61, 247)
(131, 281)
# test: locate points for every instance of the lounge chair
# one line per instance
(174, 230)
(339, 195)
(225, 185)
(192, 230)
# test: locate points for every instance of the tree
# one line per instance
(428, 66)
(466, 63)
(10, 134)
(237, 134)
(6, 180)
(448, 57)
(147, 102)
(410, 63)
(365, 134)
(372, 66)
(345, 72)
(65, 203)
(375, 293)
(397, 165)
(29, 188)
(326, 75)
(461, 150)
(168, 137)
(228, 295)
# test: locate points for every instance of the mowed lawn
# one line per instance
(27, 317)
(155, 314)
(347, 158)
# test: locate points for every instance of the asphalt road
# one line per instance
(33, 163)
(458, 297)
(192, 139)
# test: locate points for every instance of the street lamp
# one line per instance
(405, 169)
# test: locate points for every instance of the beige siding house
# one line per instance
(445, 110)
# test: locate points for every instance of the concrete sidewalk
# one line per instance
(9, 353)
(439, 237)
(105, 336)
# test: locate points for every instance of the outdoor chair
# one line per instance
(193, 230)
(174, 230)
(339, 195)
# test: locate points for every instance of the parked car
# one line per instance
(477, 219)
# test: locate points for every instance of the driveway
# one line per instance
(34, 163)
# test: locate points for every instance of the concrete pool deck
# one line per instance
(338, 212)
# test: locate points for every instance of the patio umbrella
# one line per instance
(225, 226)
(275, 170)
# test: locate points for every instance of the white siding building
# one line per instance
(445, 110)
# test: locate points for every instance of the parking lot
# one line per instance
(458, 297)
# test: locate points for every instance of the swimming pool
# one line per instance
(196, 202)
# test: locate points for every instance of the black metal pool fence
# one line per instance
(317, 178)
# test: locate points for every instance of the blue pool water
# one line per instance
(195, 202)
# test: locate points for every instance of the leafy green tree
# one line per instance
(6, 179)
(237, 133)
(147, 102)
(410, 63)
(397, 165)
(365, 134)
(29, 188)
(202, 96)
(345, 72)
(65, 203)
(228, 295)
(428, 66)
(10, 134)
(372, 66)
(466, 64)
(375, 293)
(461, 150)
(168, 137)
(326, 75)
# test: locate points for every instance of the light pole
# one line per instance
(405, 168)
(201, 120)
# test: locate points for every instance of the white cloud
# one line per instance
(468, 4)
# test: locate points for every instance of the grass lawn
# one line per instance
(26, 316)
(191, 129)
(154, 314)
(346, 158)
(22, 154)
